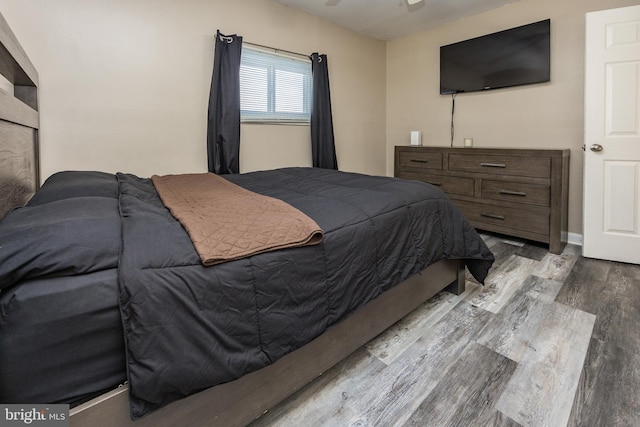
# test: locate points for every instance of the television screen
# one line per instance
(513, 57)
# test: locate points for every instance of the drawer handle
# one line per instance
(513, 193)
(493, 165)
(494, 216)
(418, 161)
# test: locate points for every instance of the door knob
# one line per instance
(596, 147)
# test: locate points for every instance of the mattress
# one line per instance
(61, 335)
(61, 339)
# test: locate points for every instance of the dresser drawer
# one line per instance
(516, 192)
(448, 184)
(538, 167)
(420, 159)
(534, 221)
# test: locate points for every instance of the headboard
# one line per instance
(19, 124)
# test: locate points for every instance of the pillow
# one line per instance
(69, 184)
(65, 237)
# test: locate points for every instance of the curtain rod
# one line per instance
(277, 50)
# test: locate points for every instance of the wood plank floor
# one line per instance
(550, 340)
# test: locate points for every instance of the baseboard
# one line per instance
(574, 239)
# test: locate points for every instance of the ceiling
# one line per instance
(391, 19)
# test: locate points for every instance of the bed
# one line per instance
(86, 259)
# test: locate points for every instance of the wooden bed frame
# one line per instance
(19, 123)
(235, 403)
(239, 402)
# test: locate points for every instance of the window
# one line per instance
(274, 88)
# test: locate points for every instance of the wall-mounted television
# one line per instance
(518, 56)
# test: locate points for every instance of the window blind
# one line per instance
(274, 88)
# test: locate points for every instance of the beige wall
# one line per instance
(548, 115)
(124, 84)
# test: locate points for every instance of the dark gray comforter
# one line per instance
(189, 327)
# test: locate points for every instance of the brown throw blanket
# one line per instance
(227, 222)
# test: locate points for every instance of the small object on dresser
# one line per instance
(468, 142)
(416, 137)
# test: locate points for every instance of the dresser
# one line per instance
(517, 192)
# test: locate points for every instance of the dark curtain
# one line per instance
(322, 141)
(223, 126)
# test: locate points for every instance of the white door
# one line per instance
(612, 136)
